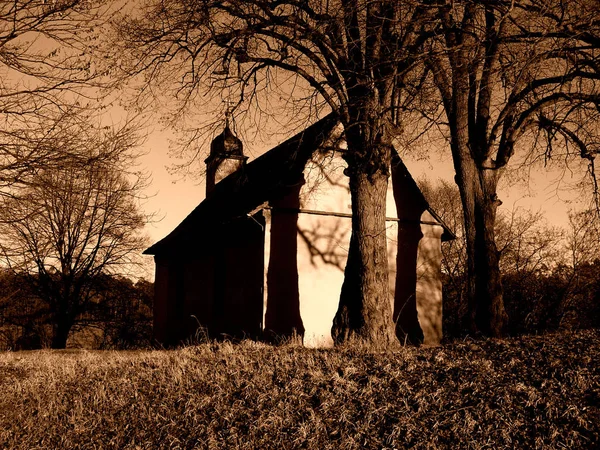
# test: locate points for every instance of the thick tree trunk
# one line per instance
(365, 311)
(60, 333)
(63, 320)
(484, 291)
(477, 180)
(490, 316)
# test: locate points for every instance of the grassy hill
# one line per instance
(531, 392)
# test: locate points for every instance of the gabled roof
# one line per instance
(246, 189)
(257, 182)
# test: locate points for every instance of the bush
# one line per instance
(535, 302)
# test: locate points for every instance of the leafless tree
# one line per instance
(509, 72)
(76, 221)
(527, 243)
(583, 238)
(579, 303)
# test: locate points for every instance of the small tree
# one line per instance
(74, 223)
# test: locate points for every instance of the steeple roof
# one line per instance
(226, 144)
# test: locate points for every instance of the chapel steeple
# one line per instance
(226, 156)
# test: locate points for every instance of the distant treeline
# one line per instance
(536, 301)
(118, 315)
(550, 274)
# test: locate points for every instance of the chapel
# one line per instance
(263, 255)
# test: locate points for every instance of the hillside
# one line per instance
(531, 392)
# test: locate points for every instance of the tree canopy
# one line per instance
(49, 71)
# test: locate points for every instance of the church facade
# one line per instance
(263, 255)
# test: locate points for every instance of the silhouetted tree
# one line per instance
(22, 315)
(506, 71)
(47, 50)
(118, 315)
(74, 223)
(121, 310)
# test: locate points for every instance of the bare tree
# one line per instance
(579, 303)
(508, 71)
(583, 238)
(526, 243)
(75, 222)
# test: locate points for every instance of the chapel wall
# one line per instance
(323, 243)
(161, 295)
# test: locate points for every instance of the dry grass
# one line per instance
(534, 392)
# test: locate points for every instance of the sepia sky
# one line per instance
(173, 196)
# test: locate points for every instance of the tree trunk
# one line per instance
(60, 330)
(365, 311)
(484, 290)
(60, 334)
(490, 318)
(477, 180)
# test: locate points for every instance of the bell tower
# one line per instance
(226, 156)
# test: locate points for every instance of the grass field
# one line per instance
(531, 392)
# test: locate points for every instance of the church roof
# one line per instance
(246, 189)
(258, 181)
